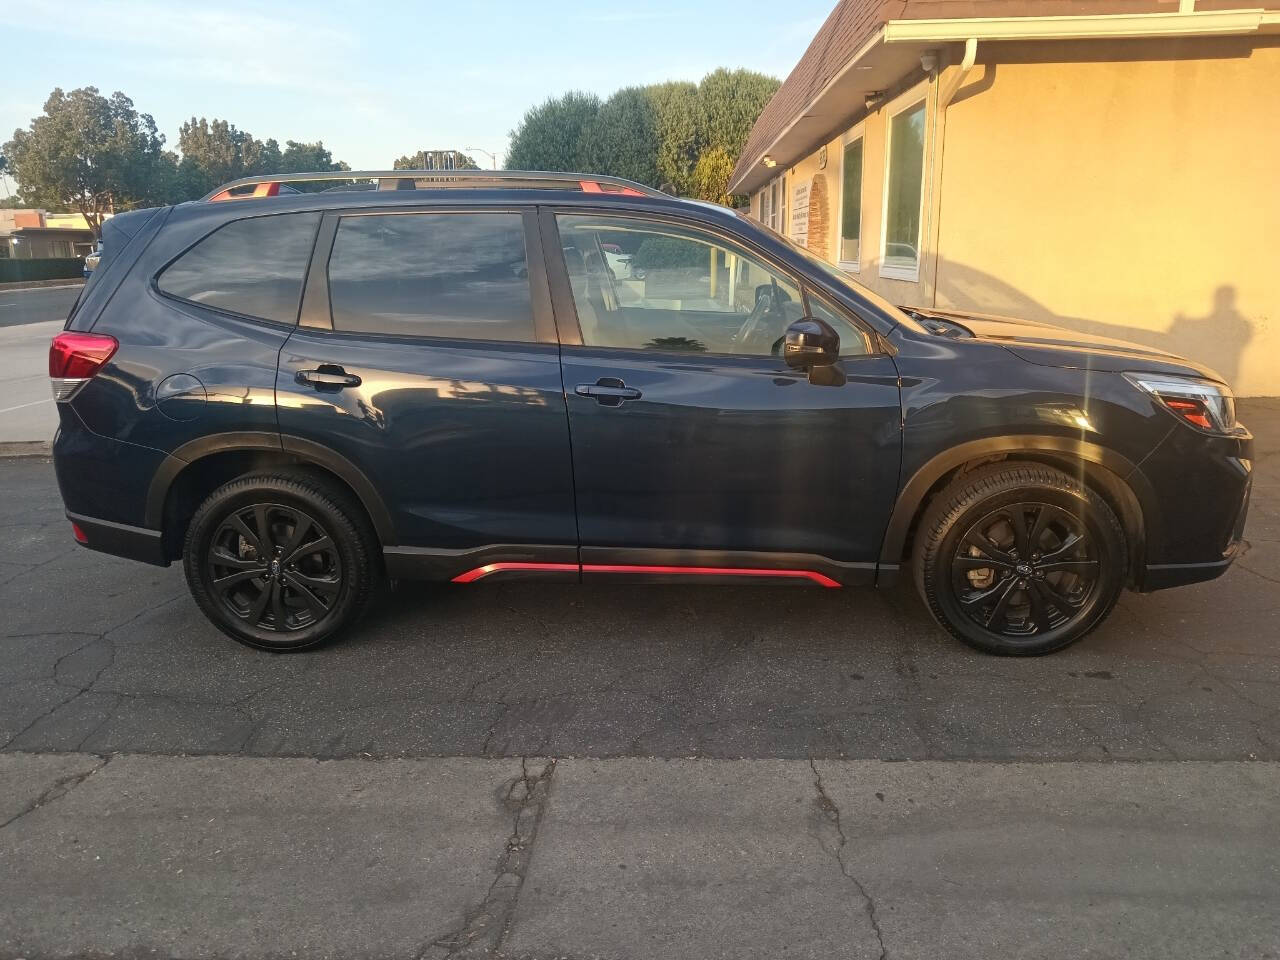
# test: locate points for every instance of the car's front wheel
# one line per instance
(280, 563)
(1019, 559)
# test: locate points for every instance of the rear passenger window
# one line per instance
(460, 275)
(251, 267)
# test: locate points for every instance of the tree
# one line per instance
(214, 152)
(731, 102)
(547, 137)
(306, 158)
(621, 139)
(90, 152)
(677, 116)
(436, 160)
(710, 178)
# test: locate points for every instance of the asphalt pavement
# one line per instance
(36, 304)
(541, 771)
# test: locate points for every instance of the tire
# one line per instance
(973, 571)
(294, 595)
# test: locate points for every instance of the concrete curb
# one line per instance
(25, 448)
(33, 284)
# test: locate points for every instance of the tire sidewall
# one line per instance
(234, 497)
(1108, 544)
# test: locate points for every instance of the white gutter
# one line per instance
(970, 58)
(1197, 23)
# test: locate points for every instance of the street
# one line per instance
(37, 304)
(743, 748)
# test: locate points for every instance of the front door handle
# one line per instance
(327, 377)
(608, 391)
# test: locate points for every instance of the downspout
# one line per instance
(940, 105)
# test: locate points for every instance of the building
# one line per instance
(37, 235)
(1108, 165)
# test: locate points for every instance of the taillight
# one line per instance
(75, 358)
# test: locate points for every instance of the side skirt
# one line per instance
(557, 562)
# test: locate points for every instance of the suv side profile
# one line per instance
(303, 395)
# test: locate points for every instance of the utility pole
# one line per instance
(493, 158)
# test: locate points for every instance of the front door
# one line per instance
(694, 445)
(427, 361)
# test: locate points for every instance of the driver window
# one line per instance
(649, 285)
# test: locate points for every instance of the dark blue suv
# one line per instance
(467, 378)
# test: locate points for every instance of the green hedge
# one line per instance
(61, 268)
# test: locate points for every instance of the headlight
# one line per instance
(1203, 404)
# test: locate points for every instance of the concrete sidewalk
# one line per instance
(246, 857)
(27, 412)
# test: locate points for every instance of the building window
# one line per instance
(851, 206)
(900, 256)
(766, 209)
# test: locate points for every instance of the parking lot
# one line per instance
(721, 753)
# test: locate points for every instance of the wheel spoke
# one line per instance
(1037, 529)
(964, 563)
(1039, 611)
(1018, 520)
(260, 605)
(323, 545)
(1065, 604)
(976, 538)
(1064, 550)
(223, 584)
(1000, 611)
(1070, 566)
(222, 557)
(278, 612)
(319, 584)
(242, 528)
(300, 529)
(264, 526)
(317, 605)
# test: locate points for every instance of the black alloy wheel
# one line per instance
(281, 562)
(1024, 570)
(275, 567)
(1019, 559)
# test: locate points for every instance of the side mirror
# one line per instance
(810, 342)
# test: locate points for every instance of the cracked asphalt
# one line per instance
(535, 771)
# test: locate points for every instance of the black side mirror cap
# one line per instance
(810, 342)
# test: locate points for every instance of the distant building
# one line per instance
(1107, 165)
(37, 235)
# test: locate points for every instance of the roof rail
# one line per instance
(269, 184)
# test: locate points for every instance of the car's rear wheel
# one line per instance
(1019, 559)
(280, 563)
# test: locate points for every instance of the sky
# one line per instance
(378, 80)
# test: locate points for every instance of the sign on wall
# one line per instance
(799, 231)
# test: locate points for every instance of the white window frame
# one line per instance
(909, 101)
(857, 133)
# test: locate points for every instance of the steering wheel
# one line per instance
(769, 300)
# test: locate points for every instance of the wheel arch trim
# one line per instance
(305, 451)
(1125, 478)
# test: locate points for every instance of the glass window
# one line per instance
(851, 204)
(766, 210)
(461, 275)
(251, 267)
(854, 341)
(902, 205)
(648, 285)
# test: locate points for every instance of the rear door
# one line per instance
(694, 445)
(426, 357)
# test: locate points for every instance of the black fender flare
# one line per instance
(1064, 451)
(305, 451)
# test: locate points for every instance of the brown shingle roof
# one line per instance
(853, 22)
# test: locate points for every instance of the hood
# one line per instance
(1054, 346)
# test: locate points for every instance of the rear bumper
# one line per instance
(120, 539)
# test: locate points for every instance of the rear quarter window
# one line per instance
(254, 267)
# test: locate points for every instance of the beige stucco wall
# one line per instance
(1130, 188)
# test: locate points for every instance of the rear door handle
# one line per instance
(327, 377)
(608, 391)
